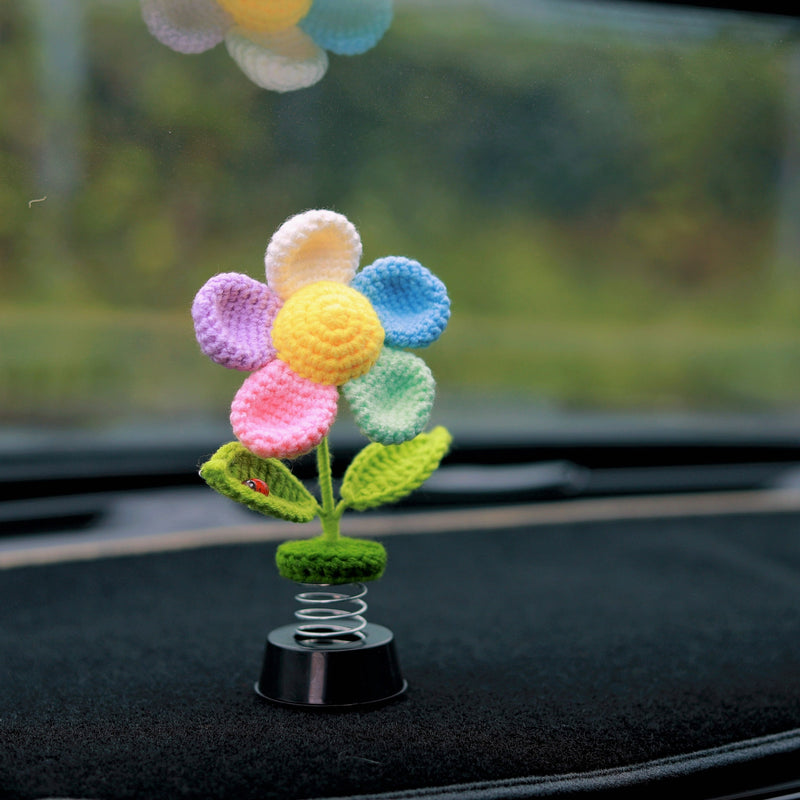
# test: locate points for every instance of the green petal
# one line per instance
(385, 474)
(392, 402)
(321, 561)
(233, 463)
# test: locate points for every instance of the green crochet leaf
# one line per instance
(233, 463)
(319, 560)
(387, 473)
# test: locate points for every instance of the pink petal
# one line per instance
(233, 317)
(278, 414)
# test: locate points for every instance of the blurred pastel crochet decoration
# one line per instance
(281, 45)
(318, 326)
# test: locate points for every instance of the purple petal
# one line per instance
(187, 26)
(233, 316)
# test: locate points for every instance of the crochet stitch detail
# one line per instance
(380, 474)
(232, 464)
(266, 15)
(393, 401)
(279, 414)
(342, 561)
(314, 246)
(307, 329)
(328, 333)
(410, 301)
(232, 317)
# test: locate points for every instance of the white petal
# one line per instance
(316, 245)
(282, 61)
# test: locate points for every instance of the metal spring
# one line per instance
(322, 620)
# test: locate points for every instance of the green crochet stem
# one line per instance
(330, 512)
(331, 557)
(377, 475)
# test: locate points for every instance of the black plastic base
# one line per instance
(323, 674)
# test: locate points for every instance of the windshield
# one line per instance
(611, 193)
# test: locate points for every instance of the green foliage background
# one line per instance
(604, 211)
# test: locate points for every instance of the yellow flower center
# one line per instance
(328, 333)
(266, 16)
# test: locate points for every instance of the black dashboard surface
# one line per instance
(633, 655)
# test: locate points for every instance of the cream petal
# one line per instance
(317, 245)
(282, 62)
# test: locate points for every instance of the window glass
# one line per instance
(610, 192)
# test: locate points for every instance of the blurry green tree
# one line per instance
(553, 180)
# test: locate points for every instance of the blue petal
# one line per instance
(347, 27)
(410, 301)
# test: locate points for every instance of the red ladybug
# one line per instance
(257, 485)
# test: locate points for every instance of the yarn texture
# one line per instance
(320, 561)
(317, 326)
(317, 245)
(278, 414)
(380, 474)
(328, 333)
(229, 315)
(280, 45)
(392, 403)
(232, 465)
(411, 302)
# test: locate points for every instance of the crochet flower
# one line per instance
(315, 326)
(279, 44)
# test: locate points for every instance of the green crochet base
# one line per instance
(321, 561)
